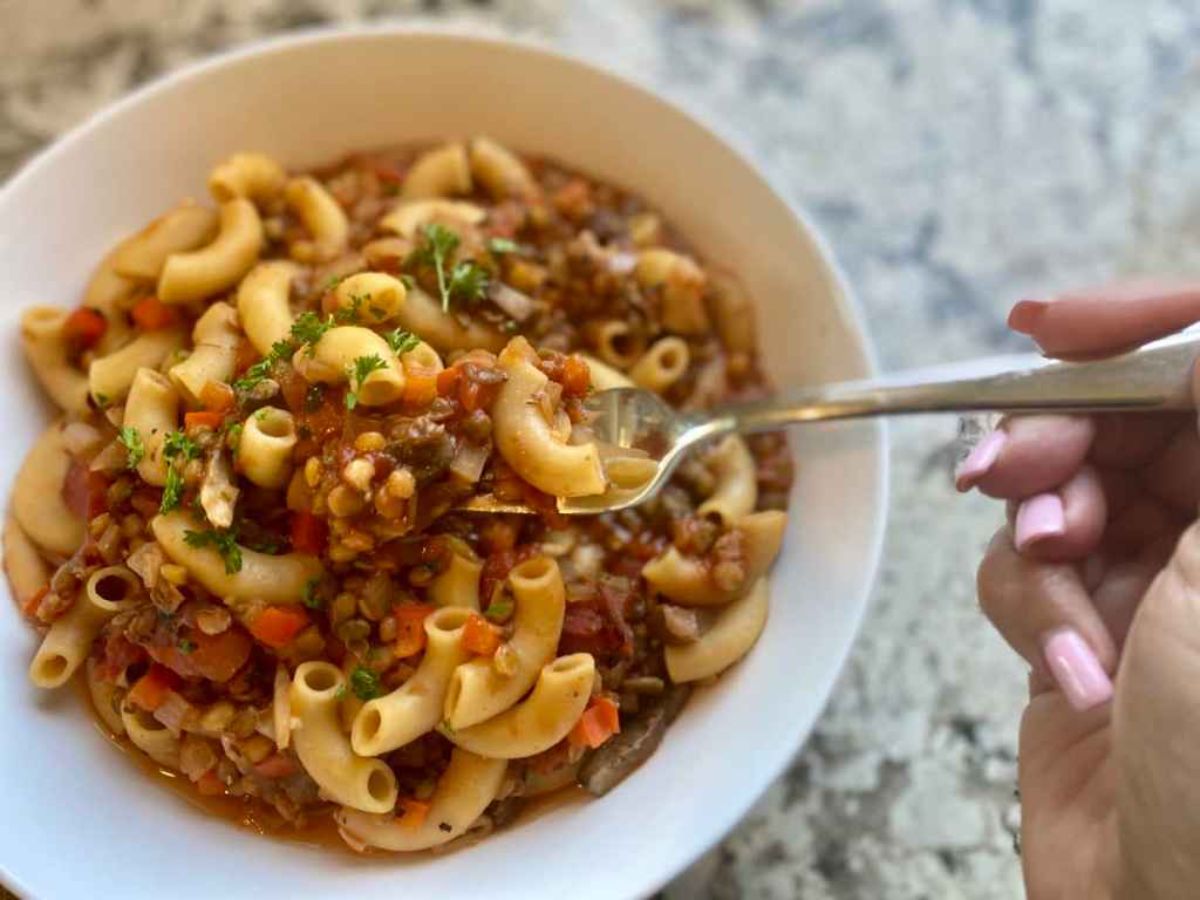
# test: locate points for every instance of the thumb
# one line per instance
(1156, 733)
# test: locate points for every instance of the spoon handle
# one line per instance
(1154, 378)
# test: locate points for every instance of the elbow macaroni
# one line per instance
(736, 493)
(682, 283)
(374, 296)
(254, 176)
(37, 501)
(110, 377)
(500, 172)
(423, 315)
(458, 585)
(477, 691)
(440, 172)
(219, 265)
(265, 450)
(48, 355)
(407, 218)
(526, 441)
(537, 723)
(184, 228)
(414, 708)
(263, 303)
(152, 410)
(26, 570)
(215, 338)
(331, 361)
(662, 365)
(368, 785)
(322, 216)
(730, 637)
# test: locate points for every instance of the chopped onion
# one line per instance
(621, 263)
(218, 493)
(518, 306)
(80, 438)
(173, 712)
(469, 460)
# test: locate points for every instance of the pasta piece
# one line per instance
(477, 691)
(67, 643)
(682, 283)
(685, 579)
(106, 698)
(184, 228)
(604, 376)
(219, 265)
(467, 787)
(111, 294)
(265, 449)
(368, 785)
(616, 343)
(332, 361)
(541, 720)
(662, 365)
(736, 493)
(423, 315)
(421, 360)
(152, 410)
(262, 303)
(730, 637)
(458, 585)
(734, 314)
(323, 217)
(37, 497)
(267, 579)
(150, 736)
(27, 572)
(215, 338)
(254, 176)
(500, 171)
(49, 356)
(525, 439)
(110, 377)
(374, 297)
(407, 218)
(414, 708)
(440, 172)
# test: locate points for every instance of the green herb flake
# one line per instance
(172, 490)
(499, 610)
(223, 540)
(349, 314)
(176, 444)
(402, 341)
(135, 450)
(469, 282)
(363, 367)
(310, 597)
(187, 646)
(310, 328)
(499, 246)
(333, 282)
(365, 683)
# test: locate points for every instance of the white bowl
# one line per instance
(79, 818)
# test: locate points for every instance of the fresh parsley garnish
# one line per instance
(135, 450)
(363, 366)
(306, 331)
(310, 328)
(310, 597)
(186, 645)
(365, 683)
(499, 246)
(177, 449)
(465, 280)
(499, 610)
(350, 313)
(225, 542)
(172, 490)
(401, 341)
(333, 282)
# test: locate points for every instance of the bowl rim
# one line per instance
(710, 833)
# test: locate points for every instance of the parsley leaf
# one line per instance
(172, 490)
(499, 610)
(333, 282)
(437, 252)
(350, 313)
(469, 281)
(363, 366)
(310, 597)
(177, 448)
(135, 450)
(499, 246)
(401, 341)
(310, 328)
(365, 683)
(177, 444)
(225, 542)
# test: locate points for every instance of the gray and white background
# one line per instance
(959, 154)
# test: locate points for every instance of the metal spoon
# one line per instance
(1154, 378)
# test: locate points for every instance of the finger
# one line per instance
(1143, 521)
(1027, 455)
(1062, 525)
(1174, 476)
(1126, 441)
(1107, 320)
(1044, 613)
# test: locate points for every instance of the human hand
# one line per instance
(1098, 572)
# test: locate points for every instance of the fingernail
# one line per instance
(981, 458)
(1026, 314)
(1037, 518)
(1076, 669)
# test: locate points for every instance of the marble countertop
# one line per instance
(959, 154)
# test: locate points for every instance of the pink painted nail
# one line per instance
(1026, 314)
(1076, 669)
(1037, 518)
(981, 458)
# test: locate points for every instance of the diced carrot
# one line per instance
(447, 381)
(217, 396)
(29, 607)
(203, 418)
(412, 813)
(469, 394)
(480, 636)
(420, 390)
(308, 532)
(277, 765)
(410, 628)
(246, 356)
(151, 314)
(576, 377)
(84, 327)
(600, 721)
(151, 690)
(276, 626)
(209, 784)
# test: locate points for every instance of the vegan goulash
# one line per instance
(255, 524)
